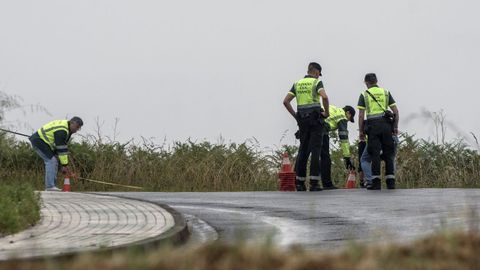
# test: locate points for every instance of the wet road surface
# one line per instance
(321, 220)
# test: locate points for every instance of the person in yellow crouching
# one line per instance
(50, 143)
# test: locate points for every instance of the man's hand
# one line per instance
(286, 102)
(325, 114)
(362, 136)
(66, 170)
(395, 131)
(348, 164)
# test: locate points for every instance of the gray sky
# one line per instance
(202, 69)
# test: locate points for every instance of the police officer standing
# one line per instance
(310, 119)
(381, 125)
(337, 120)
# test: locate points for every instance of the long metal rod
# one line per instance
(13, 132)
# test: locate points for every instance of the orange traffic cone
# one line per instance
(351, 180)
(286, 175)
(66, 184)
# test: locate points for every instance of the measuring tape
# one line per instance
(107, 183)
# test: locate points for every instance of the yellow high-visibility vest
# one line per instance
(47, 134)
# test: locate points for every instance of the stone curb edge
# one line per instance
(177, 235)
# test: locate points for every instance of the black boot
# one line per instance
(362, 182)
(328, 185)
(375, 185)
(314, 186)
(300, 185)
(391, 183)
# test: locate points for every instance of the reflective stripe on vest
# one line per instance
(306, 94)
(336, 114)
(373, 109)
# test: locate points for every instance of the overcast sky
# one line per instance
(202, 69)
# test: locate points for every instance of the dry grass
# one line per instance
(203, 166)
(425, 164)
(186, 166)
(442, 251)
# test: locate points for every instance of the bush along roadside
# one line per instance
(19, 207)
(205, 166)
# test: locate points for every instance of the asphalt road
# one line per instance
(322, 220)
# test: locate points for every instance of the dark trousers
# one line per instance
(380, 140)
(361, 147)
(311, 132)
(325, 160)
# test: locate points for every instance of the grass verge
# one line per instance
(19, 207)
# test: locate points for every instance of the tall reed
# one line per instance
(204, 166)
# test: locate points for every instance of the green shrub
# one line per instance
(203, 166)
(19, 207)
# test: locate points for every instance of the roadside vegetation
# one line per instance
(204, 166)
(441, 251)
(19, 207)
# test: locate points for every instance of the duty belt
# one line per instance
(309, 113)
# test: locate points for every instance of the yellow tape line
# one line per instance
(107, 183)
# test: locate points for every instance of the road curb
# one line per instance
(176, 235)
